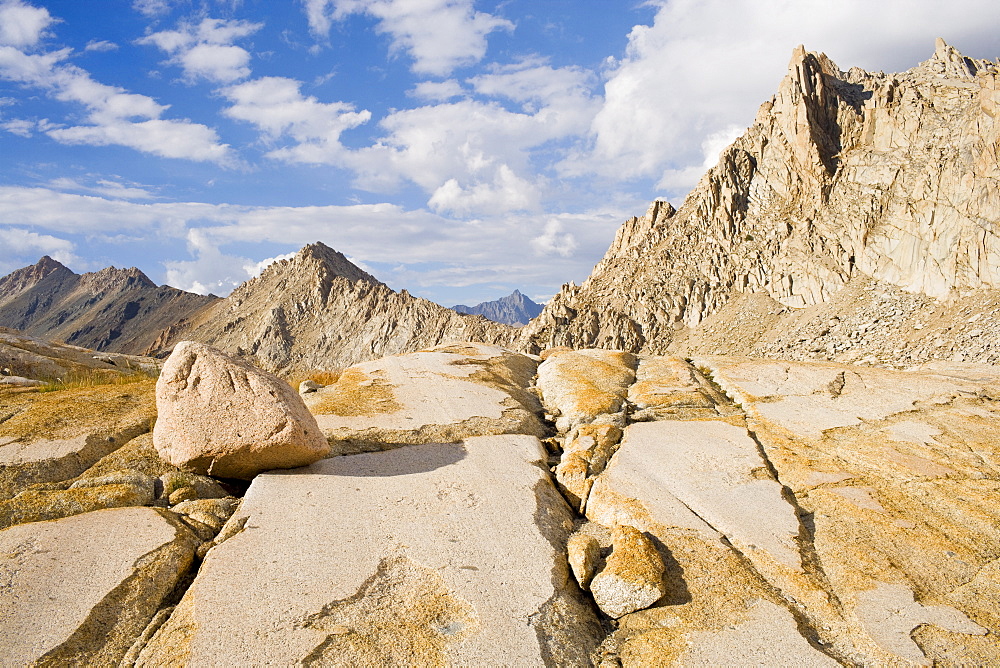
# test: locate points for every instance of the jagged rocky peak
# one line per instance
(948, 62)
(109, 277)
(314, 269)
(515, 309)
(843, 177)
(334, 262)
(26, 277)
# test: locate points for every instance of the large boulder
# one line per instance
(221, 416)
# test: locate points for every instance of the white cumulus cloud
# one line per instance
(439, 35)
(554, 241)
(277, 107)
(22, 25)
(207, 50)
(115, 116)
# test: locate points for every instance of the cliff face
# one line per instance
(843, 177)
(320, 311)
(113, 310)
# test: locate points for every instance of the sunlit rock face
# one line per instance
(843, 177)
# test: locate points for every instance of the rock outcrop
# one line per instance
(55, 436)
(111, 310)
(441, 395)
(515, 309)
(80, 590)
(220, 416)
(434, 554)
(845, 178)
(821, 514)
(776, 511)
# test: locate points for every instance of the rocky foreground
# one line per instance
(472, 505)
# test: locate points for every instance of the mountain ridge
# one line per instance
(516, 309)
(844, 176)
(112, 310)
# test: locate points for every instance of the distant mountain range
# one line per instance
(857, 220)
(112, 310)
(314, 311)
(515, 309)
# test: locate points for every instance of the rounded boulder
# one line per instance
(220, 416)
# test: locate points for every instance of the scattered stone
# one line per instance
(204, 487)
(182, 494)
(572, 476)
(632, 577)
(220, 416)
(307, 386)
(20, 381)
(584, 553)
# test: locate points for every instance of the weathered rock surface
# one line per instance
(56, 436)
(632, 578)
(826, 526)
(318, 311)
(579, 385)
(440, 395)
(430, 554)
(844, 179)
(221, 416)
(80, 590)
(113, 310)
(127, 488)
(897, 472)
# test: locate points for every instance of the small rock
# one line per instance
(571, 474)
(221, 416)
(632, 578)
(584, 553)
(205, 487)
(182, 494)
(307, 386)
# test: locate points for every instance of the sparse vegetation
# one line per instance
(96, 377)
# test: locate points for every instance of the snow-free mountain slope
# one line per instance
(843, 177)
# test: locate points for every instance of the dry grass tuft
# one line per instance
(94, 378)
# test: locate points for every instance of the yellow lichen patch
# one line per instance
(39, 505)
(598, 385)
(355, 393)
(136, 455)
(510, 373)
(67, 413)
(652, 394)
(403, 615)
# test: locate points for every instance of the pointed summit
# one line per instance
(948, 62)
(20, 280)
(335, 262)
(515, 309)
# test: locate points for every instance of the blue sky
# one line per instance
(455, 148)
